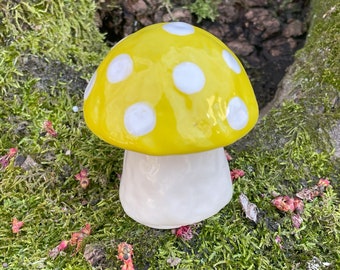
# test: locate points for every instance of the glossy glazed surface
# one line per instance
(170, 88)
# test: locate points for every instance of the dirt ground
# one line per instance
(264, 34)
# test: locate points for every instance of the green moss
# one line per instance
(288, 150)
(205, 9)
(61, 30)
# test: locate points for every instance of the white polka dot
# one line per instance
(119, 68)
(237, 113)
(231, 61)
(139, 119)
(90, 86)
(179, 28)
(188, 78)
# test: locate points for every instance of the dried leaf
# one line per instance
(173, 261)
(296, 220)
(54, 253)
(329, 12)
(250, 209)
(309, 194)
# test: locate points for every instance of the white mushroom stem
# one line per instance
(171, 191)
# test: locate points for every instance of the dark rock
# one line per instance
(293, 29)
(26, 163)
(256, 3)
(228, 14)
(21, 128)
(241, 48)
(277, 47)
(95, 255)
(217, 30)
(19, 160)
(263, 22)
(178, 14)
(29, 163)
(292, 43)
(49, 156)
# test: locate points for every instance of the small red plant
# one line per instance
(295, 205)
(288, 204)
(16, 225)
(5, 160)
(317, 190)
(76, 240)
(236, 173)
(78, 237)
(324, 182)
(284, 203)
(184, 232)
(48, 127)
(84, 181)
(63, 245)
(228, 156)
(11, 152)
(125, 253)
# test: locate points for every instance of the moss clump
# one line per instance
(205, 9)
(288, 150)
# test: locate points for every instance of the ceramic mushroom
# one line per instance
(172, 95)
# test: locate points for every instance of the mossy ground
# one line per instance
(289, 150)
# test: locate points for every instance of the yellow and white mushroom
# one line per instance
(172, 95)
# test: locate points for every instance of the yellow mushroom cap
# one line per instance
(170, 88)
